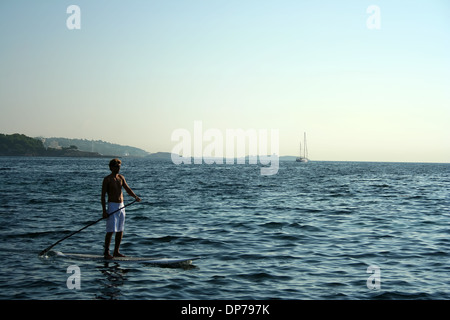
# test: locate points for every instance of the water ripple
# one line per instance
(310, 232)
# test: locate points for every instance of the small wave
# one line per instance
(437, 253)
(33, 235)
(383, 185)
(263, 276)
(308, 227)
(251, 256)
(397, 295)
(336, 284)
(164, 239)
(362, 255)
(289, 238)
(272, 225)
(139, 218)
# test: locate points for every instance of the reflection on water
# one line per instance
(309, 232)
(113, 279)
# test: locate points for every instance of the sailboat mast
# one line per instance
(305, 146)
(304, 157)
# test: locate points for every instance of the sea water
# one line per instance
(317, 230)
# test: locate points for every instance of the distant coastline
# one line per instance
(94, 146)
(22, 145)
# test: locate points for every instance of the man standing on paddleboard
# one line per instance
(112, 186)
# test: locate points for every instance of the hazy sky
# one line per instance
(138, 70)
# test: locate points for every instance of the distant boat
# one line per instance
(303, 158)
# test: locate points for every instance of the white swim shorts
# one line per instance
(116, 221)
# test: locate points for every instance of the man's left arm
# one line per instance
(129, 191)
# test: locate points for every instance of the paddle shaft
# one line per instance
(90, 224)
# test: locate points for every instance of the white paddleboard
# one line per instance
(155, 261)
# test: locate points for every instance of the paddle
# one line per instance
(90, 224)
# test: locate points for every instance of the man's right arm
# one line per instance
(104, 186)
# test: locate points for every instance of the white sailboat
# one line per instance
(303, 158)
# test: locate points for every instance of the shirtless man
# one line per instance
(112, 186)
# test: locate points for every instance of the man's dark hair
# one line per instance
(114, 162)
